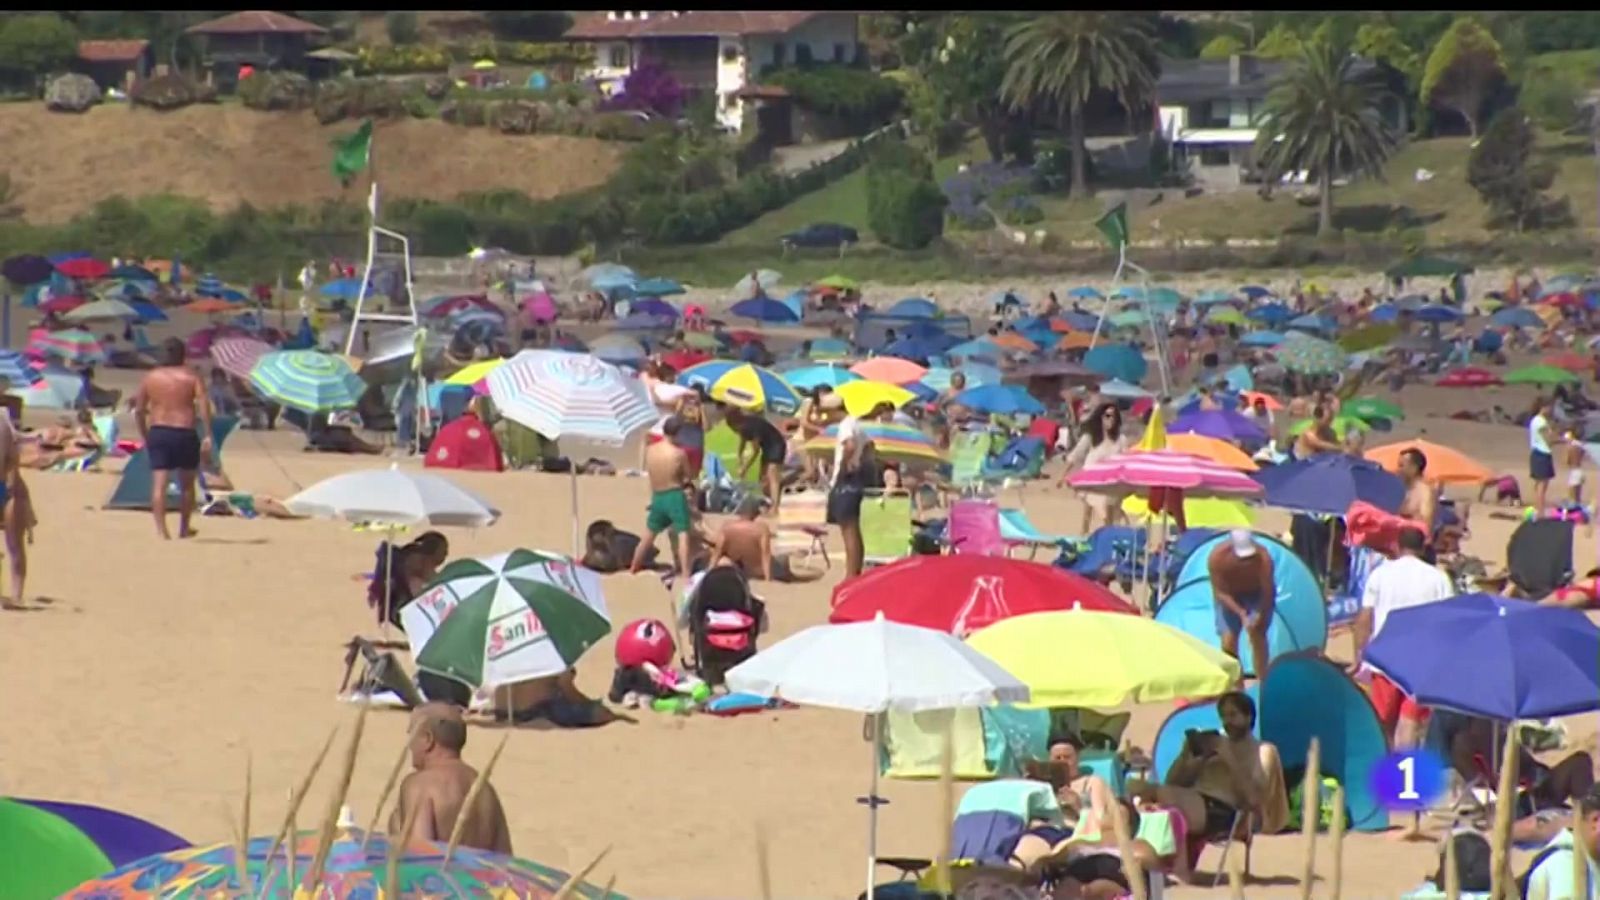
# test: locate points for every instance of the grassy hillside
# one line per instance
(61, 164)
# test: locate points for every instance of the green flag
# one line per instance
(1114, 225)
(350, 154)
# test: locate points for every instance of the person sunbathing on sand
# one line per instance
(69, 438)
(433, 795)
(746, 543)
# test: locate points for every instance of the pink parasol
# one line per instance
(1196, 476)
(237, 355)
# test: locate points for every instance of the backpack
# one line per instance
(1538, 860)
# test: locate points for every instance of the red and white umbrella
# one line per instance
(238, 355)
(1196, 476)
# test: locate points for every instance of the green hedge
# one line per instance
(413, 59)
(844, 91)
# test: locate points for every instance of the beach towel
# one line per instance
(1368, 526)
(913, 744)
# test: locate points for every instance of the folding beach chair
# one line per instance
(969, 450)
(803, 526)
(1017, 529)
(886, 527)
(974, 528)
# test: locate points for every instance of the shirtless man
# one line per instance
(746, 542)
(439, 786)
(169, 400)
(1319, 437)
(1242, 582)
(14, 502)
(1422, 500)
(671, 482)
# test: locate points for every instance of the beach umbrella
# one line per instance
(1369, 408)
(1220, 452)
(764, 309)
(1541, 375)
(507, 627)
(1469, 377)
(873, 667)
(509, 571)
(1198, 512)
(26, 268)
(600, 270)
(1255, 291)
(1222, 424)
(963, 593)
(1311, 356)
(341, 289)
(238, 355)
(208, 306)
(652, 306)
(1312, 322)
(807, 377)
(208, 285)
(890, 440)
(540, 307)
(52, 390)
(1003, 399)
(860, 398)
(889, 370)
(1126, 473)
(1225, 315)
(1129, 319)
(1115, 659)
(914, 308)
(762, 279)
(1262, 339)
(1370, 337)
(63, 304)
(1123, 362)
(918, 349)
(1122, 390)
(1013, 340)
(1085, 292)
(102, 309)
(1341, 424)
(977, 348)
(84, 267)
(1445, 465)
(1436, 314)
(1489, 656)
(839, 283)
(679, 360)
(53, 847)
(617, 348)
(976, 374)
(1207, 298)
(308, 380)
(657, 287)
(394, 497)
(132, 272)
(1275, 315)
(15, 369)
(1561, 299)
(744, 385)
(1328, 483)
(73, 346)
(1516, 317)
(1387, 312)
(146, 310)
(357, 865)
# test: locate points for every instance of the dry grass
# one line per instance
(60, 165)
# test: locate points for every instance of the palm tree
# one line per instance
(1060, 59)
(1325, 118)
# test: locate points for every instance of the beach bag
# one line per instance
(1324, 803)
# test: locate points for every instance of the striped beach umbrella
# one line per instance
(54, 390)
(66, 844)
(889, 440)
(571, 395)
(1311, 356)
(744, 385)
(307, 380)
(73, 346)
(15, 370)
(1130, 472)
(209, 285)
(238, 355)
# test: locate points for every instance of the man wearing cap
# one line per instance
(1242, 583)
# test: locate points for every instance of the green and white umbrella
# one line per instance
(506, 618)
(1311, 356)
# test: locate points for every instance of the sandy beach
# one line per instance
(151, 671)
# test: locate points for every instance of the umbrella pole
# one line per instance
(572, 470)
(873, 801)
(388, 585)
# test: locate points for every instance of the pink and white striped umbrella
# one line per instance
(1196, 476)
(238, 355)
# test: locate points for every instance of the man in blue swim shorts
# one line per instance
(1242, 583)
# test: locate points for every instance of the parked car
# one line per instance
(821, 235)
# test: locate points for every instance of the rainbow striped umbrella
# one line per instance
(1127, 473)
(73, 346)
(357, 866)
(238, 355)
(53, 847)
(889, 440)
(571, 395)
(307, 380)
(744, 385)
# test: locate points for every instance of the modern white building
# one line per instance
(721, 52)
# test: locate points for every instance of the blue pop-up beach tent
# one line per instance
(1299, 622)
(1303, 696)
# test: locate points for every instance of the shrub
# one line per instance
(172, 91)
(853, 93)
(401, 60)
(650, 88)
(402, 27)
(1552, 99)
(524, 53)
(276, 91)
(904, 211)
(528, 26)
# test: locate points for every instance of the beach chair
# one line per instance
(1017, 529)
(1021, 458)
(974, 528)
(886, 528)
(723, 492)
(1343, 605)
(969, 450)
(803, 527)
(106, 428)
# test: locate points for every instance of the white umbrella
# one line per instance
(465, 577)
(873, 667)
(571, 395)
(394, 497)
(101, 309)
(766, 278)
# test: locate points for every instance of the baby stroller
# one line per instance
(724, 620)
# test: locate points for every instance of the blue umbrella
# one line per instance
(917, 348)
(1084, 292)
(1028, 323)
(1080, 321)
(14, 368)
(209, 285)
(1221, 424)
(1274, 314)
(977, 348)
(617, 348)
(796, 301)
(1489, 656)
(1005, 399)
(1310, 322)
(643, 322)
(914, 307)
(1120, 361)
(1516, 317)
(1388, 312)
(1239, 378)
(1328, 483)
(807, 377)
(1255, 291)
(1438, 315)
(1412, 302)
(1164, 298)
(657, 287)
(130, 272)
(977, 375)
(232, 295)
(764, 309)
(1122, 390)
(1207, 298)
(652, 306)
(342, 289)
(612, 282)
(925, 328)
(922, 392)
(1262, 339)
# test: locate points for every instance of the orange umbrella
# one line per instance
(1011, 340)
(1076, 340)
(1445, 466)
(889, 370)
(208, 305)
(1249, 398)
(1572, 362)
(1220, 452)
(1060, 326)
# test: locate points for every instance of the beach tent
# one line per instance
(1300, 621)
(1303, 696)
(133, 486)
(465, 443)
(986, 743)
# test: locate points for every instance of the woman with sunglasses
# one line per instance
(1102, 437)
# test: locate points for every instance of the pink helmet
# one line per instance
(645, 641)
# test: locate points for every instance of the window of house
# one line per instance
(802, 54)
(839, 51)
(778, 53)
(619, 57)
(1215, 155)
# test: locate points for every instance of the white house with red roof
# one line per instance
(721, 52)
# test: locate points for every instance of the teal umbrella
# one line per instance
(1311, 356)
(307, 380)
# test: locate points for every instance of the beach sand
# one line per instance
(152, 670)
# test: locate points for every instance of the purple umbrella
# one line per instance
(1222, 424)
(652, 306)
(26, 269)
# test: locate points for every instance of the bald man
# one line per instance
(438, 788)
